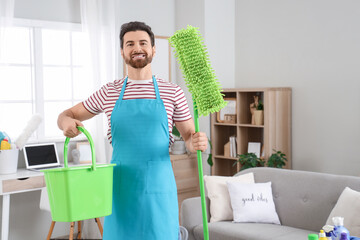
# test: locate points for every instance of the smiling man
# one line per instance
(141, 111)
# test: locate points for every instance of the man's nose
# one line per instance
(137, 47)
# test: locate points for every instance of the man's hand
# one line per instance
(199, 141)
(194, 141)
(69, 127)
(69, 119)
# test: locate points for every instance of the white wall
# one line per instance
(313, 47)
(220, 39)
(215, 20)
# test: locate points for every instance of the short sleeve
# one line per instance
(95, 103)
(181, 110)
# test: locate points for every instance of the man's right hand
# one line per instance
(69, 119)
(69, 127)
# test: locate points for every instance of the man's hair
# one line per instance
(135, 26)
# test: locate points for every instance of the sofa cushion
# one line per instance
(252, 202)
(304, 199)
(217, 191)
(227, 230)
(348, 207)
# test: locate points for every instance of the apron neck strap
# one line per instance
(155, 86)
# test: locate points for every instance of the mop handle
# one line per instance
(201, 179)
(87, 134)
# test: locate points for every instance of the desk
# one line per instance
(22, 181)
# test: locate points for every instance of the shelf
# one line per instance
(238, 125)
(251, 125)
(226, 124)
(275, 133)
(223, 157)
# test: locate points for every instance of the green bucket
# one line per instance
(81, 192)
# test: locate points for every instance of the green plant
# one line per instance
(277, 159)
(209, 160)
(260, 106)
(249, 160)
(176, 133)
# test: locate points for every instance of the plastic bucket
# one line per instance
(9, 161)
(80, 192)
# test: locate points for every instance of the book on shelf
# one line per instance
(233, 151)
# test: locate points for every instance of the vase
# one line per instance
(259, 117)
(178, 147)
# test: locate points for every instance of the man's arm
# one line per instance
(194, 141)
(69, 119)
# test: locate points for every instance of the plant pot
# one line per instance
(259, 117)
(178, 147)
(9, 161)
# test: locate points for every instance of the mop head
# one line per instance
(31, 126)
(200, 79)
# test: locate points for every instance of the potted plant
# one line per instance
(249, 160)
(209, 160)
(259, 113)
(277, 159)
(178, 147)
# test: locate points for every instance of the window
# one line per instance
(42, 70)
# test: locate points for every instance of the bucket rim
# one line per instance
(82, 167)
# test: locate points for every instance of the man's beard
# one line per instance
(139, 63)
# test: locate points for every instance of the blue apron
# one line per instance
(145, 205)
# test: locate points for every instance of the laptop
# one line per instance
(41, 156)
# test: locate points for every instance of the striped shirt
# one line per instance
(172, 95)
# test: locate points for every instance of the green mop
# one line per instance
(202, 83)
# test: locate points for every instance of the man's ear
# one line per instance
(122, 53)
(153, 51)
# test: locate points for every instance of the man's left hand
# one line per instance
(199, 141)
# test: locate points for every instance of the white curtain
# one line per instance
(98, 19)
(6, 17)
(99, 22)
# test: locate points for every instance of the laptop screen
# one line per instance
(41, 155)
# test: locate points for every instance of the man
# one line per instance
(141, 111)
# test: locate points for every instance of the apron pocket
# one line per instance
(131, 178)
(160, 177)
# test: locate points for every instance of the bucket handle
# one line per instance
(87, 134)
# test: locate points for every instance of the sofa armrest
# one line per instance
(191, 214)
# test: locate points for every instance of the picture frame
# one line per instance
(161, 63)
(254, 147)
(228, 113)
(85, 152)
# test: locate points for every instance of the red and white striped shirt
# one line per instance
(172, 95)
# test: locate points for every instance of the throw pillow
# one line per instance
(217, 191)
(252, 202)
(348, 207)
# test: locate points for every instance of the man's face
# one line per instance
(137, 50)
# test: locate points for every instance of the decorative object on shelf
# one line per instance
(178, 147)
(254, 147)
(230, 118)
(277, 159)
(228, 113)
(75, 153)
(249, 160)
(257, 111)
(84, 152)
(227, 149)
